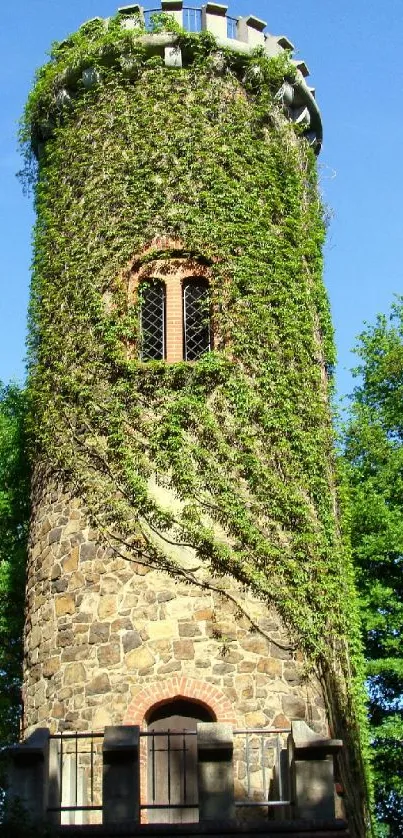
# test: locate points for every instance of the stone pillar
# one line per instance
(29, 774)
(312, 773)
(121, 775)
(214, 19)
(131, 15)
(174, 8)
(251, 30)
(215, 745)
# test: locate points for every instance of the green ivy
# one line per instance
(202, 154)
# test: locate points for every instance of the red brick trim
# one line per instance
(159, 692)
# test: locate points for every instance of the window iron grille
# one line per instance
(196, 320)
(152, 320)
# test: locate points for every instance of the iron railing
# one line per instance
(192, 20)
(170, 791)
(76, 776)
(259, 760)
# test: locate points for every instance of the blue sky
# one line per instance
(353, 50)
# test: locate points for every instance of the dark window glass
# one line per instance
(152, 320)
(196, 319)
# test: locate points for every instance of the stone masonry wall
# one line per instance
(106, 639)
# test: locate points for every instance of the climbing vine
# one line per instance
(130, 152)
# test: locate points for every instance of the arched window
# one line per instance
(196, 319)
(152, 320)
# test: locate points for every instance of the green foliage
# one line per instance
(374, 453)
(14, 517)
(243, 437)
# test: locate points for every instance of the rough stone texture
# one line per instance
(112, 628)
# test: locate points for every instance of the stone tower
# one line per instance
(184, 530)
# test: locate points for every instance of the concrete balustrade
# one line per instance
(37, 771)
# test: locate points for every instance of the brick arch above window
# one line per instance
(178, 687)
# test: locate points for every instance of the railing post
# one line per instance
(215, 745)
(121, 774)
(312, 772)
(29, 775)
(214, 19)
(251, 30)
(174, 8)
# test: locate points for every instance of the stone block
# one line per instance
(99, 685)
(270, 667)
(60, 585)
(255, 718)
(203, 614)
(188, 630)
(50, 667)
(99, 633)
(65, 638)
(109, 654)
(223, 668)
(76, 581)
(122, 624)
(75, 653)
(183, 649)
(72, 527)
(70, 563)
(109, 584)
(162, 629)
(281, 721)
(54, 535)
(88, 551)
(246, 666)
(292, 674)
(173, 666)
(107, 606)
(74, 674)
(64, 604)
(101, 719)
(255, 643)
(293, 707)
(139, 659)
(165, 596)
(131, 640)
(278, 652)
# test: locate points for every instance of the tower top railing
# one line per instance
(214, 18)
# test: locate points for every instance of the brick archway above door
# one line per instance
(179, 687)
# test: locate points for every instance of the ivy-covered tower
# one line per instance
(185, 555)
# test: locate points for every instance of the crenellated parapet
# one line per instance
(243, 37)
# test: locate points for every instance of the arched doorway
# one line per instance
(172, 793)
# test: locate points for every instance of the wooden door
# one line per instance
(172, 770)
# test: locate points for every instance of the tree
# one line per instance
(374, 455)
(14, 518)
